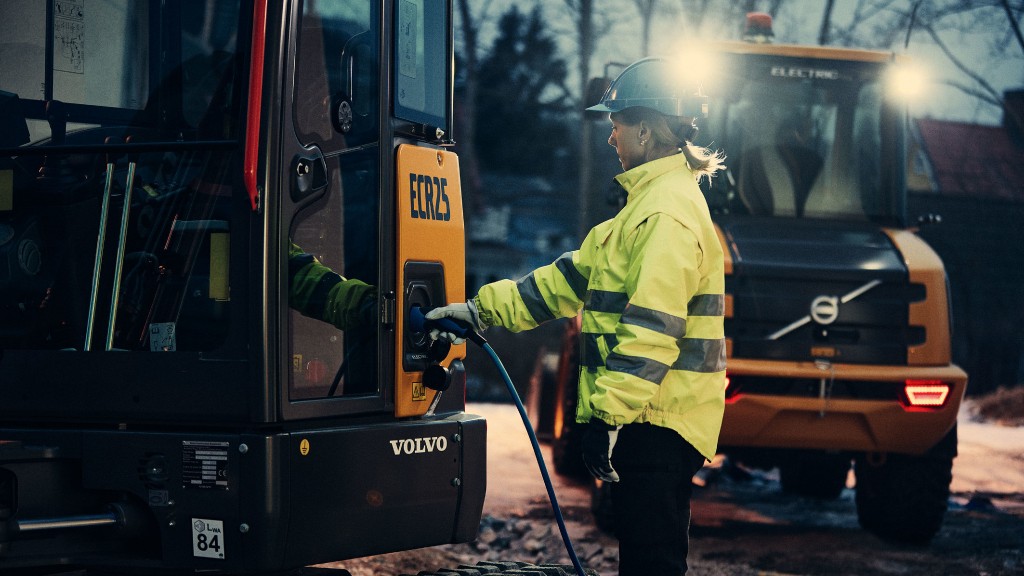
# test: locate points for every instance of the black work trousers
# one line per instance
(651, 501)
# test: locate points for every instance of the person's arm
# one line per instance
(316, 291)
(553, 291)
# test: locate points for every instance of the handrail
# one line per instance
(101, 239)
(119, 264)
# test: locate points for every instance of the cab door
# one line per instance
(329, 191)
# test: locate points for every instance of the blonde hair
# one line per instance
(675, 132)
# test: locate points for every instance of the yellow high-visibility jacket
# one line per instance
(651, 285)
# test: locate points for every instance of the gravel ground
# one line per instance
(742, 522)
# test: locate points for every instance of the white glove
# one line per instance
(465, 313)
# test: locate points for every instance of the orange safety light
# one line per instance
(926, 393)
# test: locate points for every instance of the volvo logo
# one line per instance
(419, 445)
(825, 309)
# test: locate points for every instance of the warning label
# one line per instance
(204, 464)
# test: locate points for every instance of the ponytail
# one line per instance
(678, 133)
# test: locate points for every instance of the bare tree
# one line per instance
(582, 12)
(826, 21)
(646, 9)
(470, 53)
(891, 24)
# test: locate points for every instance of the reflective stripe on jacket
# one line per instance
(318, 292)
(651, 286)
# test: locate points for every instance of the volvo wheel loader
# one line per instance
(165, 403)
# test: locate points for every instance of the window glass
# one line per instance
(126, 249)
(333, 238)
(333, 269)
(420, 53)
(799, 148)
(337, 110)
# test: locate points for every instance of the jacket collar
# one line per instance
(632, 180)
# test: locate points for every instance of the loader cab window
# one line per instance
(803, 147)
(334, 262)
(118, 209)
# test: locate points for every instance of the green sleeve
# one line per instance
(316, 291)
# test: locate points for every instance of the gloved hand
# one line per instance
(462, 312)
(598, 442)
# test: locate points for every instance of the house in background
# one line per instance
(972, 176)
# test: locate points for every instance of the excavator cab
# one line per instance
(187, 191)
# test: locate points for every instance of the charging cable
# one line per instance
(419, 323)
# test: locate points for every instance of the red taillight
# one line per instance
(731, 392)
(926, 393)
(252, 130)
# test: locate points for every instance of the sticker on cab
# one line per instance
(207, 538)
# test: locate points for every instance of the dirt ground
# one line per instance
(742, 522)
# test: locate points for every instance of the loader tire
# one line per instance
(601, 506)
(567, 452)
(819, 475)
(904, 498)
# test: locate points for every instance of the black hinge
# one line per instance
(387, 310)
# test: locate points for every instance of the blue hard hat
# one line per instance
(650, 83)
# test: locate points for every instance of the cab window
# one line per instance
(333, 236)
(337, 86)
(117, 201)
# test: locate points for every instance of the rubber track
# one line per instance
(502, 568)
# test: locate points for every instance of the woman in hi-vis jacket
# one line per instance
(650, 283)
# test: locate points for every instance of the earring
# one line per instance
(643, 142)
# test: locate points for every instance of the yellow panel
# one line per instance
(6, 190)
(430, 229)
(932, 313)
(220, 245)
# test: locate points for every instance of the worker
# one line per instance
(650, 283)
(316, 291)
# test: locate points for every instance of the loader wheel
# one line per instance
(503, 568)
(820, 475)
(904, 498)
(567, 452)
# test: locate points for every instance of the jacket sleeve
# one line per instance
(316, 291)
(661, 278)
(556, 290)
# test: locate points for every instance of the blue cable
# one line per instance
(419, 323)
(540, 460)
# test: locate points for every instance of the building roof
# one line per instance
(972, 160)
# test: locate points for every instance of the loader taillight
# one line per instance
(731, 392)
(925, 393)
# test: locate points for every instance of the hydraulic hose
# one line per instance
(463, 331)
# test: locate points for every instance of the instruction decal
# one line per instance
(69, 36)
(208, 538)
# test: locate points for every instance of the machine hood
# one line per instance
(809, 248)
